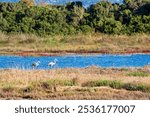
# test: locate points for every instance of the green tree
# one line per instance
(134, 4)
(112, 26)
(143, 10)
(75, 13)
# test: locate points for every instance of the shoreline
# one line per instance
(70, 52)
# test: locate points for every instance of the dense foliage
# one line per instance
(133, 16)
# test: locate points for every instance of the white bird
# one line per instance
(36, 64)
(51, 64)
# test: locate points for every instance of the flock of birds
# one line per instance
(50, 64)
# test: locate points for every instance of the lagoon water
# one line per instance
(76, 61)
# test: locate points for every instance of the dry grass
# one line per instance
(91, 42)
(68, 84)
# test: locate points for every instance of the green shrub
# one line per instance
(144, 88)
(136, 74)
(129, 86)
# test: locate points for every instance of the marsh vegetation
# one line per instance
(28, 44)
(83, 83)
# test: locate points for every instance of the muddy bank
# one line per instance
(69, 52)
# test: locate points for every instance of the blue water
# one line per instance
(76, 61)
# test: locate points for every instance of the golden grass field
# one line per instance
(76, 83)
(99, 43)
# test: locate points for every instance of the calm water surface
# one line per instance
(76, 61)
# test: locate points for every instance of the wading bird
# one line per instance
(53, 63)
(35, 64)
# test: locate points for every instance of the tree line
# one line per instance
(133, 16)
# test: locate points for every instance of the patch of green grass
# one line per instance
(8, 88)
(55, 82)
(119, 85)
(68, 83)
(51, 42)
(138, 74)
(113, 84)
